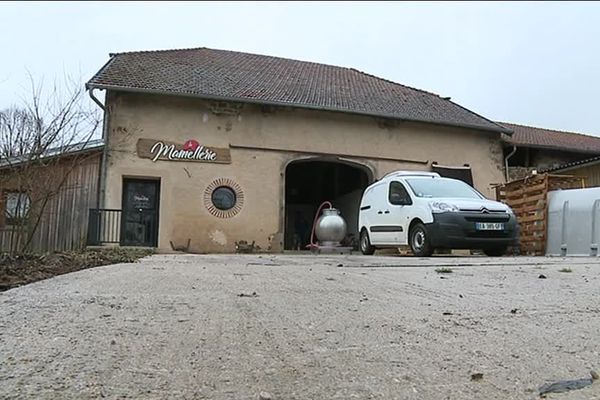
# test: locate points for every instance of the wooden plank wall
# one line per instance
(591, 174)
(63, 225)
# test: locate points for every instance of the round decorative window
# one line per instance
(223, 198)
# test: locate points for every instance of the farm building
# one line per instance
(589, 169)
(55, 195)
(212, 147)
(531, 149)
(206, 148)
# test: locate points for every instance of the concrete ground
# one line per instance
(304, 327)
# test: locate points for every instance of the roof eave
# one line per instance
(574, 165)
(96, 147)
(556, 148)
(90, 85)
(502, 129)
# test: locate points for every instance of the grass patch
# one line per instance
(565, 270)
(444, 270)
(23, 269)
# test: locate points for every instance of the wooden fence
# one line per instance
(63, 225)
(528, 198)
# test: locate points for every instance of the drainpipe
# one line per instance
(95, 99)
(102, 177)
(512, 153)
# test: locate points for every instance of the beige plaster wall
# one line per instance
(263, 140)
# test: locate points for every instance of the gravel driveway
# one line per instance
(303, 327)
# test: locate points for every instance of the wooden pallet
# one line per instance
(528, 198)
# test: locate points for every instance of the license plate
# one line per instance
(489, 226)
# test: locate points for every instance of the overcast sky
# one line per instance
(531, 63)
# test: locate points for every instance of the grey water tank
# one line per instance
(573, 222)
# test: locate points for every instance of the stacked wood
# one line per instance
(528, 198)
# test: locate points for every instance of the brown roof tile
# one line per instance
(230, 75)
(530, 136)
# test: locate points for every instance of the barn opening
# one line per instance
(308, 183)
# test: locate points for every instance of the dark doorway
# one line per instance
(308, 183)
(139, 222)
(461, 173)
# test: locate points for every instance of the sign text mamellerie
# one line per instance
(189, 151)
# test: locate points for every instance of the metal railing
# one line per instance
(104, 226)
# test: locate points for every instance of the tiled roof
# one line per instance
(235, 76)
(529, 136)
(72, 149)
(583, 163)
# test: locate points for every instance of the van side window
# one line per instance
(398, 194)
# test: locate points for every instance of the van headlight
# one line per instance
(441, 207)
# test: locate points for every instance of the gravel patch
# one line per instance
(304, 327)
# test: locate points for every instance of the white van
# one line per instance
(429, 212)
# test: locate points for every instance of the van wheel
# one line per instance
(419, 241)
(365, 243)
(495, 251)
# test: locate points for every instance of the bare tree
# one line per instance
(41, 143)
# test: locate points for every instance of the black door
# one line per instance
(139, 223)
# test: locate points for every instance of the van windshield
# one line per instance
(442, 187)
